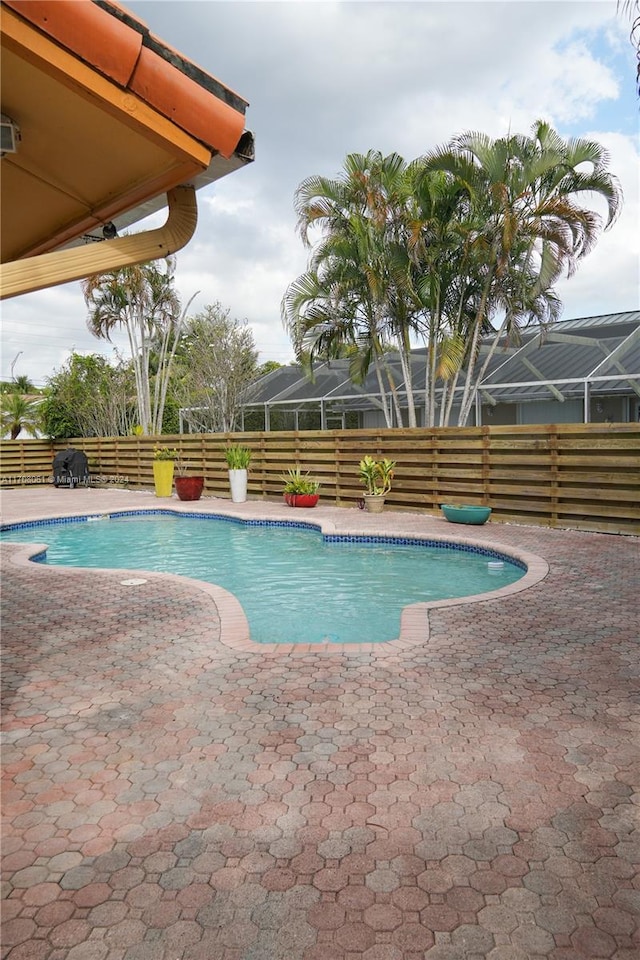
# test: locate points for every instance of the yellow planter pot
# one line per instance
(163, 477)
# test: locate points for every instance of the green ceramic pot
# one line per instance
(465, 513)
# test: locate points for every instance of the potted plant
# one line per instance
(466, 513)
(300, 489)
(238, 460)
(188, 486)
(164, 459)
(376, 476)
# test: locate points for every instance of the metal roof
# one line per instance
(605, 347)
(593, 350)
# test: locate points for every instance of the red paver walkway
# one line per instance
(169, 797)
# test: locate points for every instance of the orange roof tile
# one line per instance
(111, 119)
(120, 46)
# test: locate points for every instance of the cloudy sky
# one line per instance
(329, 78)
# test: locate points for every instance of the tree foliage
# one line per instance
(21, 384)
(216, 361)
(18, 413)
(356, 298)
(268, 367)
(90, 397)
(631, 10)
(142, 300)
(523, 226)
(463, 243)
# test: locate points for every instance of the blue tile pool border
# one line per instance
(430, 543)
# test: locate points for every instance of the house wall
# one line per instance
(503, 414)
(605, 410)
(611, 409)
(551, 411)
(602, 410)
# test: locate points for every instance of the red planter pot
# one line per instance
(189, 488)
(301, 499)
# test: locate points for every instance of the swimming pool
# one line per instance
(294, 584)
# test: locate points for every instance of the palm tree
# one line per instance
(142, 300)
(437, 232)
(330, 314)
(525, 224)
(23, 384)
(631, 9)
(357, 288)
(18, 414)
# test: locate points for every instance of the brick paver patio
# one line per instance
(168, 796)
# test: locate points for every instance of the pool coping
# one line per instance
(234, 627)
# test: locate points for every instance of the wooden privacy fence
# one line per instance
(584, 476)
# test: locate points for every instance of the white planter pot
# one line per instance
(238, 482)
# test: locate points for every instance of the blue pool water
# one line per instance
(294, 585)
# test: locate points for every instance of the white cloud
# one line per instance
(608, 279)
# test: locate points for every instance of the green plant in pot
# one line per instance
(189, 486)
(376, 475)
(164, 459)
(300, 489)
(238, 459)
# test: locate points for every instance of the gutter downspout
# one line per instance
(62, 266)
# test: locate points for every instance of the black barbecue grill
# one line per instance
(70, 468)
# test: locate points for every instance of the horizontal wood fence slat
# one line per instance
(584, 476)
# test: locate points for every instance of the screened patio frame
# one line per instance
(560, 351)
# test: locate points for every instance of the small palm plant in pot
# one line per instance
(376, 476)
(300, 489)
(238, 460)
